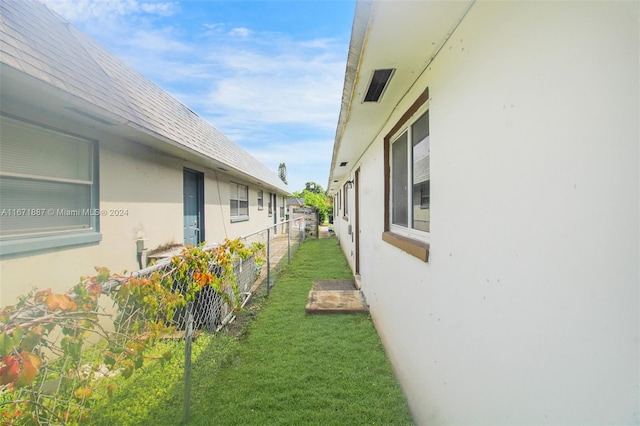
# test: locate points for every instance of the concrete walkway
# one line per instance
(323, 231)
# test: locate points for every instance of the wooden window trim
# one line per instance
(417, 248)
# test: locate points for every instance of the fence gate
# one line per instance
(311, 221)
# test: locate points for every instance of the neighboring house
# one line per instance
(506, 291)
(294, 203)
(94, 157)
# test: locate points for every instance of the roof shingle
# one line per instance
(42, 44)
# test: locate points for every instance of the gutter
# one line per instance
(363, 21)
(359, 32)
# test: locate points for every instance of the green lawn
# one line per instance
(281, 366)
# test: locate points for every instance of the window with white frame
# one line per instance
(260, 199)
(410, 178)
(48, 182)
(239, 201)
(282, 208)
(345, 193)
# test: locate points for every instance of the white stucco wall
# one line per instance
(148, 185)
(528, 309)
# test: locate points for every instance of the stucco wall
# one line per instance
(148, 186)
(528, 309)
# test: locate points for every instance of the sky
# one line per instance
(268, 74)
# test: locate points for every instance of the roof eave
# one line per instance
(356, 46)
(379, 28)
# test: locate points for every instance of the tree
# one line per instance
(314, 196)
(282, 173)
(314, 187)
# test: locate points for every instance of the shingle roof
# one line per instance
(42, 44)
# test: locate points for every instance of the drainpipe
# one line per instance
(140, 249)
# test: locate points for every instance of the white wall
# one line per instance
(218, 213)
(148, 185)
(528, 309)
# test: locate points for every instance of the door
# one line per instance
(357, 220)
(193, 207)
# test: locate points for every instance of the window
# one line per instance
(345, 193)
(284, 202)
(260, 199)
(410, 177)
(239, 202)
(48, 182)
(270, 204)
(407, 181)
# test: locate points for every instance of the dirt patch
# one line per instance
(333, 285)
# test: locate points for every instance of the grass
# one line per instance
(278, 365)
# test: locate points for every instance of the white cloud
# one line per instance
(253, 86)
(240, 32)
(300, 153)
(306, 160)
(163, 9)
(157, 41)
(288, 82)
(285, 98)
(85, 10)
(262, 77)
(215, 27)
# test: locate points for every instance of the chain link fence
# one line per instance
(59, 352)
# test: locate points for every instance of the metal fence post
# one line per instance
(188, 335)
(289, 243)
(268, 260)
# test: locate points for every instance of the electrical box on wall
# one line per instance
(349, 231)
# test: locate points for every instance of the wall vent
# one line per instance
(377, 85)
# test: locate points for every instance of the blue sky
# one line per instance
(268, 74)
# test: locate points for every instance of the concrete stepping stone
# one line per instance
(335, 296)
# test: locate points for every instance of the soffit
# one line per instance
(402, 35)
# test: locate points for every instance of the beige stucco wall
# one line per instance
(528, 309)
(148, 185)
